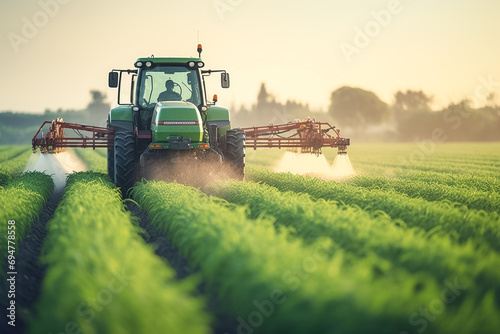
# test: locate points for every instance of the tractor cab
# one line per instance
(162, 80)
(167, 80)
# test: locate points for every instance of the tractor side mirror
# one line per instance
(224, 80)
(113, 79)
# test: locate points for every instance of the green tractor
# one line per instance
(168, 125)
(165, 128)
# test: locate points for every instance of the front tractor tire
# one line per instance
(124, 160)
(234, 153)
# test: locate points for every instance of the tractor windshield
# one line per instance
(169, 83)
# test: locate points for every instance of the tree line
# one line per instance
(19, 128)
(362, 115)
(359, 113)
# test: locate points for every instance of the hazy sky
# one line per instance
(54, 51)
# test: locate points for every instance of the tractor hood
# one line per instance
(176, 119)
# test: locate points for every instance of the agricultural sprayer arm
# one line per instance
(55, 141)
(307, 135)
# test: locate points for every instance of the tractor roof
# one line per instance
(170, 59)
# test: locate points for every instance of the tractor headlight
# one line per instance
(138, 64)
(149, 64)
(200, 64)
(191, 64)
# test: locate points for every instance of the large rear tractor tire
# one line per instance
(234, 154)
(124, 160)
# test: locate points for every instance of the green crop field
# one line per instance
(410, 244)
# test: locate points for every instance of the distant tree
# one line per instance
(357, 108)
(412, 100)
(266, 103)
(97, 108)
(263, 97)
(491, 99)
(298, 110)
(267, 110)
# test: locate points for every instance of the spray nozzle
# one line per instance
(342, 150)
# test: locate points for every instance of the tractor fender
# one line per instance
(122, 125)
(121, 117)
(219, 116)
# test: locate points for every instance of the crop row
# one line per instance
(476, 166)
(441, 218)
(432, 191)
(475, 162)
(271, 281)
(22, 200)
(459, 152)
(102, 152)
(102, 277)
(460, 167)
(437, 166)
(10, 152)
(92, 159)
(359, 233)
(4, 178)
(470, 180)
(13, 163)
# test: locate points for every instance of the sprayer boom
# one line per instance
(307, 135)
(55, 141)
